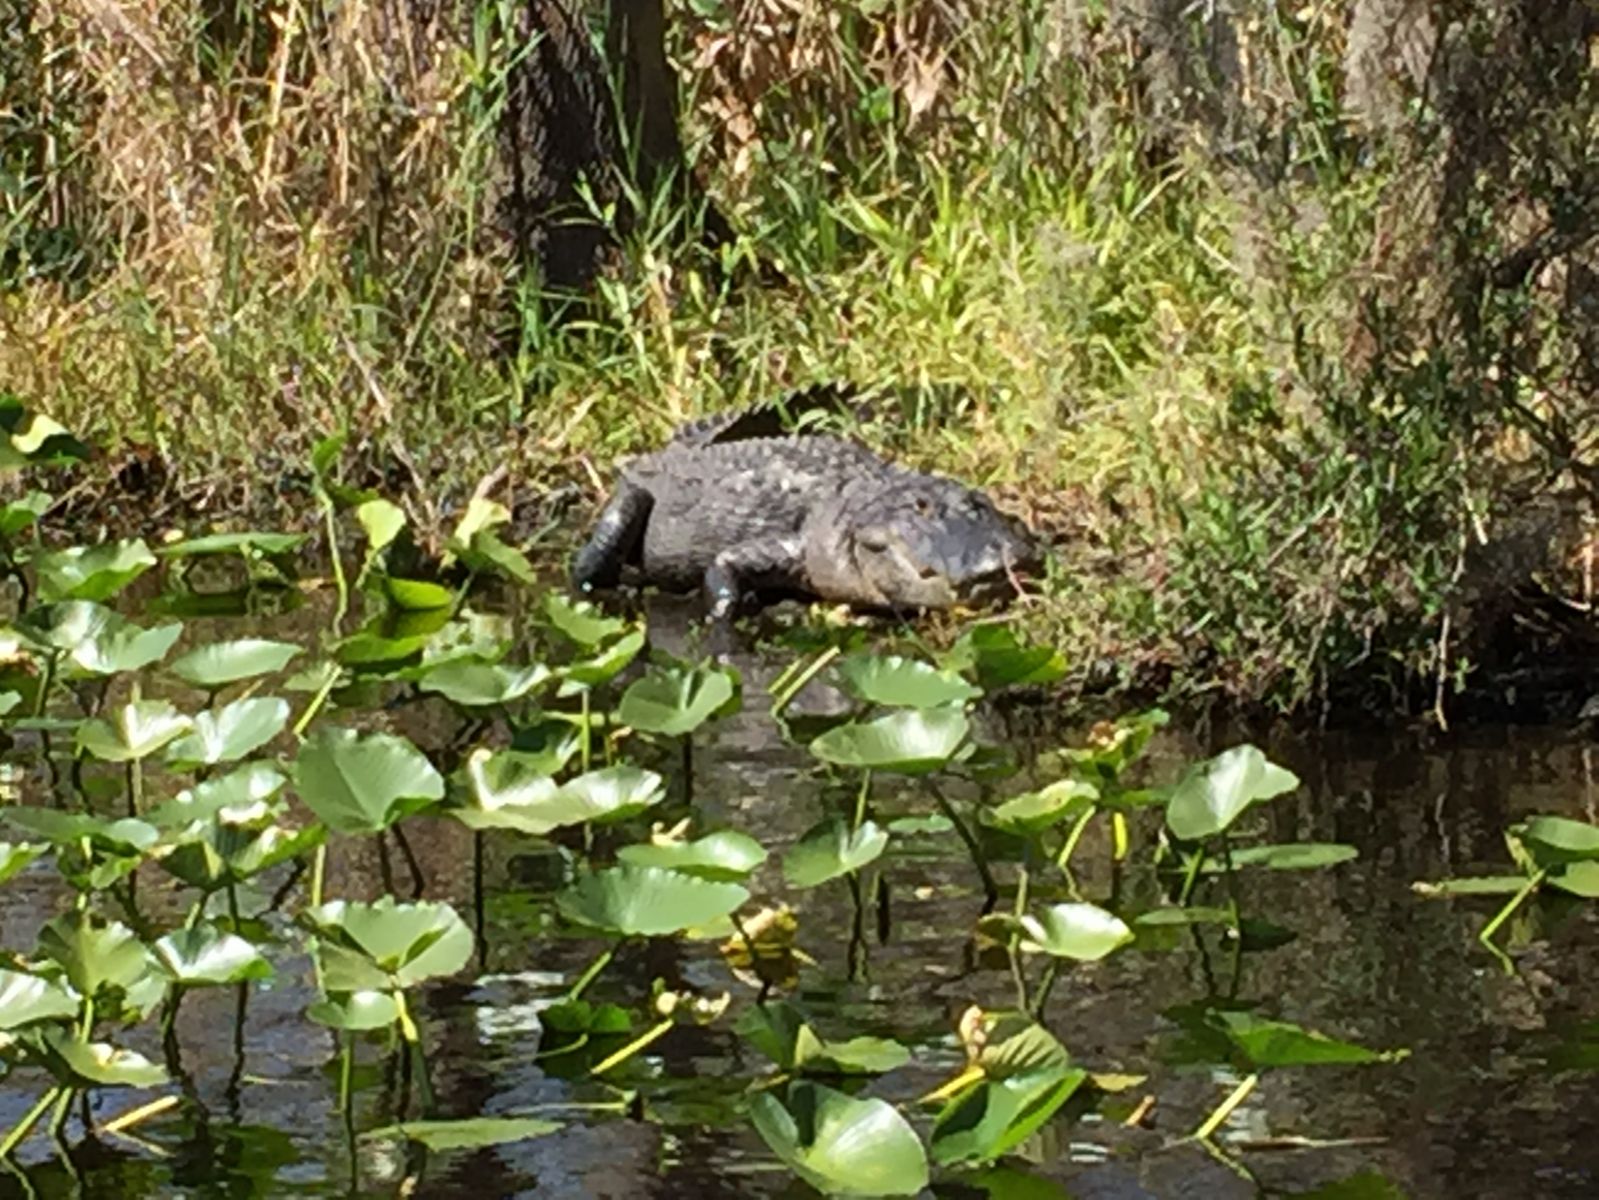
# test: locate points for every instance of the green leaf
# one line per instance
(1558, 839)
(897, 682)
(1000, 659)
(91, 572)
(480, 684)
(417, 595)
(608, 663)
(779, 1031)
(725, 854)
(580, 622)
(647, 901)
(124, 836)
(95, 956)
(1577, 879)
(98, 1064)
(13, 858)
(211, 667)
(1266, 1043)
(1213, 794)
(509, 790)
(356, 1012)
(1015, 1044)
(384, 945)
(1034, 812)
(911, 741)
(357, 784)
(1289, 856)
(20, 515)
(205, 955)
(572, 1017)
(842, 1145)
(1084, 932)
(230, 733)
(133, 731)
(1480, 885)
(270, 545)
(96, 640)
(469, 1133)
(237, 797)
(992, 1118)
(381, 521)
(830, 849)
(25, 999)
(674, 701)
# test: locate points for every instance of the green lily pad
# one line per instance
(1084, 932)
(1213, 794)
(999, 658)
(241, 795)
(897, 682)
(14, 857)
(230, 733)
(605, 665)
(381, 520)
(206, 955)
(647, 901)
(509, 790)
(725, 854)
(1015, 1044)
(221, 663)
(1558, 839)
(126, 835)
(995, 1116)
(355, 1012)
(133, 731)
(385, 945)
(480, 684)
(470, 1133)
(25, 999)
(778, 1030)
(676, 700)
(357, 784)
(417, 595)
(91, 572)
(572, 1017)
(840, 1144)
(1477, 885)
(95, 956)
(1266, 1043)
(912, 741)
(95, 639)
(271, 545)
(97, 1064)
(580, 622)
(1289, 856)
(19, 516)
(1063, 800)
(211, 854)
(1577, 879)
(830, 849)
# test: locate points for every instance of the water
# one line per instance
(1493, 1100)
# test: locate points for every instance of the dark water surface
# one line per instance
(1493, 1101)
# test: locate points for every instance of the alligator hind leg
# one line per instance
(612, 542)
(777, 560)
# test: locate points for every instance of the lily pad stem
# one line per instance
(1075, 836)
(1224, 1110)
(792, 687)
(990, 888)
(317, 701)
(22, 1128)
(594, 968)
(652, 1034)
(860, 800)
(1534, 881)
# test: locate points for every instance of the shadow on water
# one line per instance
(1496, 1099)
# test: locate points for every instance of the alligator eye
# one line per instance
(922, 506)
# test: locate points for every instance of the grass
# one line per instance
(254, 232)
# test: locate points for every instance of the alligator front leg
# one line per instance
(599, 563)
(770, 561)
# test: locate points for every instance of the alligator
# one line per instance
(737, 504)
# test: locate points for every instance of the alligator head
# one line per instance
(904, 540)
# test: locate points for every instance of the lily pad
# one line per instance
(999, 658)
(912, 741)
(647, 901)
(206, 955)
(1213, 794)
(417, 595)
(96, 640)
(1289, 856)
(842, 1145)
(993, 1117)
(95, 956)
(14, 857)
(381, 520)
(676, 700)
(778, 1030)
(725, 854)
(480, 684)
(221, 663)
(510, 792)
(603, 666)
(580, 622)
(357, 784)
(387, 945)
(831, 849)
(91, 572)
(1063, 800)
(98, 1064)
(230, 732)
(470, 1133)
(133, 731)
(1265, 1043)
(241, 795)
(1559, 839)
(897, 682)
(355, 1012)
(271, 545)
(1084, 932)
(25, 999)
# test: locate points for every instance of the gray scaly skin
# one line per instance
(807, 513)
